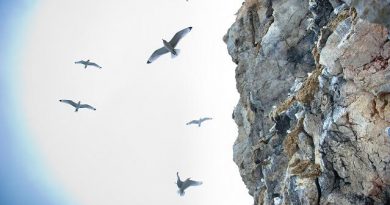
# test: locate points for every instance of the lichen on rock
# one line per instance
(314, 84)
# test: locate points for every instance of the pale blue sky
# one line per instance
(128, 151)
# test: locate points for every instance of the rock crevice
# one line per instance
(314, 84)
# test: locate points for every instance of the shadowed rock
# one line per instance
(335, 149)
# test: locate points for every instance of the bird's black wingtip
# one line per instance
(149, 62)
(190, 27)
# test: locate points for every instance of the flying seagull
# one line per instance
(87, 63)
(199, 122)
(77, 105)
(169, 47)
(185, 184)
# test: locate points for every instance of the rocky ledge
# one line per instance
(314, 84)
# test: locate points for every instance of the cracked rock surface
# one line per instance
(314, 84)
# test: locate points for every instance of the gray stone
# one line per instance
(375, 11)
(340, 151)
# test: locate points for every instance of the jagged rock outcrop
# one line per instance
(314, 84)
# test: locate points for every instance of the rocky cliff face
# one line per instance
(314, 84)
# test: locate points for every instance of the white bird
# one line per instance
(87, 63)
(77, 105)
(185, 184)
(169, 47)
(199, 122)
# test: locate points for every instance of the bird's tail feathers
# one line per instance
(177, 51)
(180, 192)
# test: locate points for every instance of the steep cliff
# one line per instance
(314, 84)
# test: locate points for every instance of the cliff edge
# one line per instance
(314, 84)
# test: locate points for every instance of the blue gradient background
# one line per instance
(23, 178)
(37, 168)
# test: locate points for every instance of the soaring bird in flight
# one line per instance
(87, 63)
(77, 105)
(185, 184)
(169, 47)
(199, 122)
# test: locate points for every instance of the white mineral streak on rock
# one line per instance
(341, 151)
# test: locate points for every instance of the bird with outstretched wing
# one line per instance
(199, 122)
(169, 47)
(78, 105)
(87, 63)
(183, 185)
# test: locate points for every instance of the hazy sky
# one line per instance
(128, 151)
